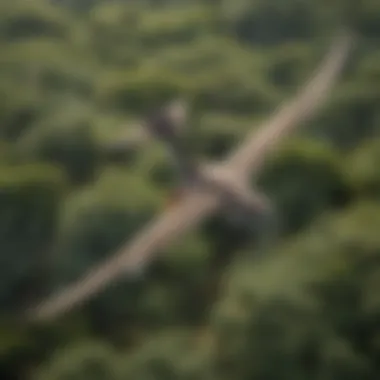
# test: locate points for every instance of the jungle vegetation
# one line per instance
(76, 74)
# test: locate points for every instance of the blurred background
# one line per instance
(74, 74)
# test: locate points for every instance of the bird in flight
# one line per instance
(209, 187)
(166, 124)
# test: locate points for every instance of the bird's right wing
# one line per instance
(250, 155)
(130, 258)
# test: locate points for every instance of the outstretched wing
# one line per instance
(249, 156)
(131, 257)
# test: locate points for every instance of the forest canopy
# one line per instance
(75, 75)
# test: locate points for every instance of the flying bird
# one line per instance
(166, 124)
(211, 186)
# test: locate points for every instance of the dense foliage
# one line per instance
(74, 75)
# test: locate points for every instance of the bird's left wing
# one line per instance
(250, 155)
(131, 257)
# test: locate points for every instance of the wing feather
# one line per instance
(131, 257)
(249, 156)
